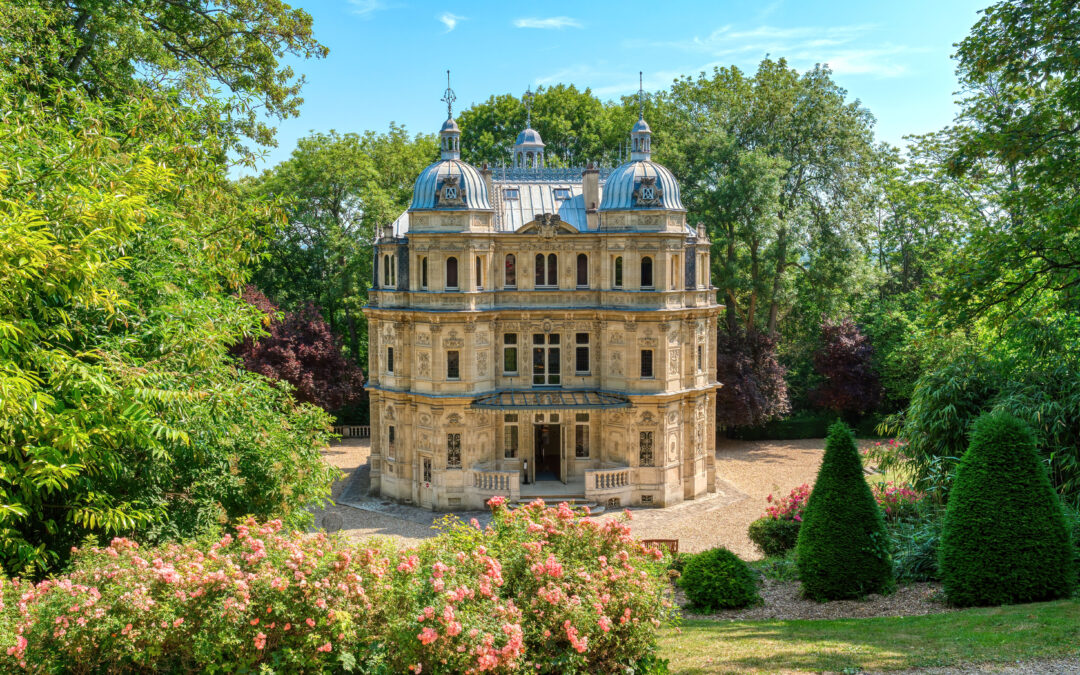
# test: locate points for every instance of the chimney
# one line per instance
(590, 188)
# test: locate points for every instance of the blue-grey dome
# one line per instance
(429, 189)
(529, 137)
(621, 191)
(450, 125)
(640, 126)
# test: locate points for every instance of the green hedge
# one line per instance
(843, 548)
(718, 579)
(1004, 539)
(805, 424)
(774, 537)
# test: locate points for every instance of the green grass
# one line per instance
(990, 635)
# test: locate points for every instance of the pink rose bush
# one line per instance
(897, 502)
(790, 507)
(538, 590)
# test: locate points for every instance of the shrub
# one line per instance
(1004, 539)
(843, 547)
(897, 502)
(718, 579)
(538, 590)
(915, 543)
(774, 537)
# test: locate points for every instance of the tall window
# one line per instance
(390, 360)
(547, 270)
(646, 363)
(700, 358)
(546, 358)
(674, 272)
(510, 436)
(510, 278)
(423, 272)
(581, 353)
(453, 451)
(386, 271)
(581, 436)
(453, 371)
(451, 273)
(582, 270)
(618, 271)
(479, 273)
(510, 354)
(645, 448)
(646, 272)
(390, 442)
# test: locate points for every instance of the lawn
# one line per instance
(995, 634)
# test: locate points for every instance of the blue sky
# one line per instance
(388, 58)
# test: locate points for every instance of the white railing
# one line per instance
(353, 431)
(608, 479)
(496, 481)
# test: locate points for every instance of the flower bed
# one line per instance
(538, 590)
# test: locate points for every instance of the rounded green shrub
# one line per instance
(1004, 539)
(774, 537)
(718, 579)
(843, 548)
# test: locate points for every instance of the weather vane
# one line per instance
(449, 98)
(528, 107)
(641, 97)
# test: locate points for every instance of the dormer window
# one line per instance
(512, 194)
(562, 193)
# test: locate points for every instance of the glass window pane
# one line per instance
(539, 269)
(510, 360)
(582, 270)
(552, 270)
(511, 270)
(452, 370)
(451, 272)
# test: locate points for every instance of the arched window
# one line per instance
(582, 270)
(451, 273)
(510, 278)
(618, 272)
(539, 272)
(386, 271)
(553, 270)
(547, 272)
(646, 272)
(423, 272)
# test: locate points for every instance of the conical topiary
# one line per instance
(1004, 539)
(843, 550)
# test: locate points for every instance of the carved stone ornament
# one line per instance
(451, 192)
(454, 420)
(672, 416)
(673, 360)
(483, 339)
(425, 420)
(647, 342)
(453, 341)
(648, 419)
(389, 412)
(616, 362)
(423, 338)
(648, 193)
(424, 364)
(481, 363)
(615, 338)
(548, 225)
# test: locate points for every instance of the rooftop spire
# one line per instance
(449, 98)
(528, 107)
(641, 134)
(640, 96)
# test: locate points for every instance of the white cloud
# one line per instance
(557, 22)
(366, 8)
(450, 20)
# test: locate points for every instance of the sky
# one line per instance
(388, 58)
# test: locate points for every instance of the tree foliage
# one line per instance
(1004, 539)
(845, 361)
(301, 350)
(753, 390)
(843, 549)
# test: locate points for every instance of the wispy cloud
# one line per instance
(366, 8)
(450, 20)
(846, 49)
(556, 22)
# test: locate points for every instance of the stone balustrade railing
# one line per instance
(498, 482)
(607, 479)
(353, 431)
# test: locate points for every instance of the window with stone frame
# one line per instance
(510, 436)
(581, 436)
(451, 274)
(647, 272)
(645, 448)
(390, 360)
(582, 270)
(618, 282)
(547, 271)
(423, 273)
(453, 451)
(453, 365)
(510, 354)
(700, 358)
(646, 363)
(546, 363)
(581, 354)
(390, 442)
(510, 271)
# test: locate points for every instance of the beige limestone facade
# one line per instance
(562, 347)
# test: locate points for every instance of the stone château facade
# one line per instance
(542, 331)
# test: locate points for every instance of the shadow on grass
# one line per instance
(998, 634)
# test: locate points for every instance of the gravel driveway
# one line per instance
(748, 472)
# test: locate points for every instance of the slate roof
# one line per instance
(554, 399)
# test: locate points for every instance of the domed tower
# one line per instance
(450, 195)
(529, 147)
(641, 194)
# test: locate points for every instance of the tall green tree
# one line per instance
(336, 191)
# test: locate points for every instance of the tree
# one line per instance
(301, 350)
(753, 390)
(1004, 538)
(845, 360)
(336, 190)
(843, 549)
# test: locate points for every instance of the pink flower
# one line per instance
(325, 648)
(427, 636)
(260, 640)
(495, 502)
(310, 622)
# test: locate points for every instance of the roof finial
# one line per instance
(449, 98)
(640, 95)
(528, 107)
